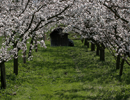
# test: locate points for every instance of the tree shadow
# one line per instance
(101, 95)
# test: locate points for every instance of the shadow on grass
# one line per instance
(87, 68)
(89, 64)
(101, 95)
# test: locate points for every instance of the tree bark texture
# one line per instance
(30, 50)
(86, 42)
(97, 51)
(44, 37)
(102, 54)
(82, 40)
(118, 62)
(3, 76)
(36, 47)
(121, 69)
(92, 47)
(16, 65)
(24, 57)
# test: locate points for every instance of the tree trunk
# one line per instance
(24, 57)
(30, 51)
(36, 49)
(86, 43)
(3, 76)
(30, 48)
(92, 47)
(44, 37)
(97, 51)
(118, 62)
(102, 54)
(16, 65)
(82, 40)
(121, 69)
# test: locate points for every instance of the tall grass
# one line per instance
(66, 73)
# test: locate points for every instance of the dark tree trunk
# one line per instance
(3, 75)
(86, 42)
(15, 61)
(121, 69)
(30, 50)
(92, 47)
(16, 64)
(82, 40)
(24, 57)
(44, 37)
(36, 48)
(118, 62)
(97, 51)
(102, 54)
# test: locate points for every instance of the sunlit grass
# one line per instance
(66, 73)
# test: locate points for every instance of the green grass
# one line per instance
(66, 73)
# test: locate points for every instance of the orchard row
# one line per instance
(105, 22)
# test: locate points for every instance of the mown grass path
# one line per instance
(66, 73)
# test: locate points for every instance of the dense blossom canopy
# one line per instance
(104, 21)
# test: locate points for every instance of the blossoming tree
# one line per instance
(24, 19)
(105, 22)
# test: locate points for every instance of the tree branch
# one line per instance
(117, 15)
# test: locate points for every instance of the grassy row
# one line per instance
(66, 73)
